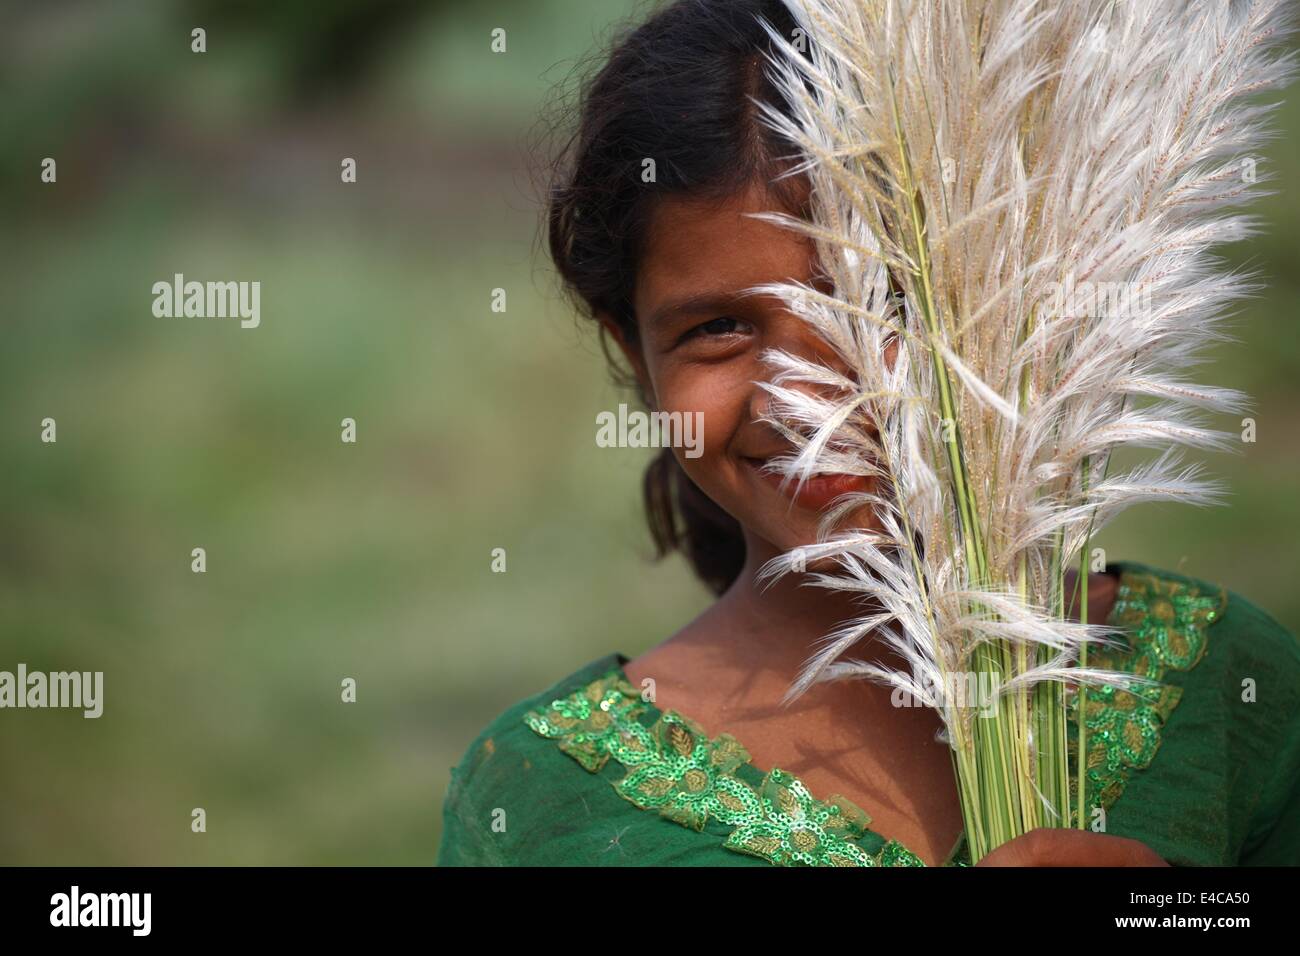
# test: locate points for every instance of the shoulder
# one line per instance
(503, 770)
(1188, 622)
(1225, 716)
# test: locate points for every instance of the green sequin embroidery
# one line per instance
(675, 769)
(1166, 623)
(795, 829)
(587, 721)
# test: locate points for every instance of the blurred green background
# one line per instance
(475, 428)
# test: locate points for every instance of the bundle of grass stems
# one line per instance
(1014, 204)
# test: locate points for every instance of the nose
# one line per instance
(791, 334)
(794, 335)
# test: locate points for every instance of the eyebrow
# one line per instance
(702, 302)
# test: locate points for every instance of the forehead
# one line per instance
(697, 246)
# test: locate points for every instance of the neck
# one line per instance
(783, 617)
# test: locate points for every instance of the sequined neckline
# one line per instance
(673, 767)
(959, 855)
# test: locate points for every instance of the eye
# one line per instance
(717, 337)
(723, 325)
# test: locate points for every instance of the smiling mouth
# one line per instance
(817, 492)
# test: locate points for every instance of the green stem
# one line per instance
(1081, 749)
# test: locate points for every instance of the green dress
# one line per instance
(1203, 766)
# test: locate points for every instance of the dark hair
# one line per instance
(676, 89)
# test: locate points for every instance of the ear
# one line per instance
(632, 352)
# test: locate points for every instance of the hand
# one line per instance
(1064, 847)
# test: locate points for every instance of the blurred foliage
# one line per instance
(475, 429)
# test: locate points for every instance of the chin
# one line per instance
(787, 535)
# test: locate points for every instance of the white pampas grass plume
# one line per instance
(1016, 203)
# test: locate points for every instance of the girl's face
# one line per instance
(700, 346)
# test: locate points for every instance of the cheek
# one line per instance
(891, 352)
(722, 396)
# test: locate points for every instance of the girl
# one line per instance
(686, 755)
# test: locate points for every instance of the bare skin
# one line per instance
(1047, 847)
(729, 669)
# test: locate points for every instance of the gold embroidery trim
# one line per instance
(1166, 622)
(674, 768)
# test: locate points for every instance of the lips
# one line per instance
(818, 491)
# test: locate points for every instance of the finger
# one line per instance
(1056, 847)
